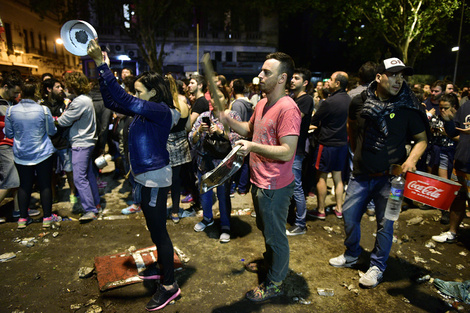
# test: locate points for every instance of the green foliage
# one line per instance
(408, 26)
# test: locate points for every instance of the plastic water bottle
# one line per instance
(393, 208)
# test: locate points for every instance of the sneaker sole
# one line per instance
(288, 233)
(151, 277)
(346, 265)
(266, 298)
(369, 287)
(317, 217)
(167, 301)
(446, 241)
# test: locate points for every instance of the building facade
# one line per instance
(28, 42)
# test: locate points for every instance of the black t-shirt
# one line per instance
(401, 125)
(462, 154)
(305, 104)
(201, 105)
(331, 118)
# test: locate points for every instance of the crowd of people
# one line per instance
(165, 134)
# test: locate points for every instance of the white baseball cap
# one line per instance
(394, 65)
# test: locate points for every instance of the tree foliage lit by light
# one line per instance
(407, 25)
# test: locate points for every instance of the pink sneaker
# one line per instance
(101, 184)
(338, 214)
(317, 215)
(188, 199)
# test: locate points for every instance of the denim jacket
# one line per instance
(26, 124)
(149, 131)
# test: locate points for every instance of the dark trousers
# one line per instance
(155, 215)
(44, 173)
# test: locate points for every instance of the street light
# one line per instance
(458, 44)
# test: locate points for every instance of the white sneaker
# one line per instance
(224, 238)
(203, 224)
(343, 261)
(445, 237)
(372, 278)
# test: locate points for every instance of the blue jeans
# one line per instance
(84, 178)
(360, 191)
(272, 207)
(225, 206)
(299, 196)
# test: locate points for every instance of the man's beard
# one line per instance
(58, 97)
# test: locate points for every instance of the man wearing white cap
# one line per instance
(381, 119)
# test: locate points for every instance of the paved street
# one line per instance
(43, 278)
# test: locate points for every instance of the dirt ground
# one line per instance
(44, 277)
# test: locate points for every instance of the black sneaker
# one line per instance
(162, 297)
(151, 272)
(296, 230)
(264, 291)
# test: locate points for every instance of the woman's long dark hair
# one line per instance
(152, 80)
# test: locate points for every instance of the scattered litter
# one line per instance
(188, 213)
(395, 239)
(405, 300)
(131, 249)
(458, 290)
(242, 212)
(7, 256)
(405, 238)
(436, 261)
(351, 287)
(301, 300)
(372, 218)
(43, 234)
(414, 221)
(94, 309)
(460, 267)
(434, 251)
(46, 240)
(464, 253)
(328, 229)
(28, 242)
(253, 214)
(116, 217)
(420, 260)
(75, 306)
(55, 234)
(423, 279)
(328, 292)
(85, 272)
(90, 302)
(430, 244)
(183, 257)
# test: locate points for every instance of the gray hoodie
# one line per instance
(80, 116)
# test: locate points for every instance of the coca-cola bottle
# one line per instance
(393, 208)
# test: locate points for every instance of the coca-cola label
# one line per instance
(425, 190)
